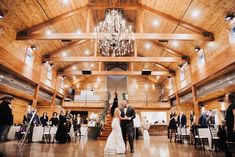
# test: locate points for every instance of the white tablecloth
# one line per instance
(12, 132)
(37, 134)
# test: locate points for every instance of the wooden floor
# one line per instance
(156, 147)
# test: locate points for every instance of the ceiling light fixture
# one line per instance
(113, 36)
(64, 54)
(33, 47)
(147, 46)
(195, 13)
(229, 17)
(1, 15)
(197, 48)
(155, 23)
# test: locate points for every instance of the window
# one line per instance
(201, 57)
(29, 56)
(182, 74)
(49, 72)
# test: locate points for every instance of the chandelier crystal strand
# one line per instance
(113, 37)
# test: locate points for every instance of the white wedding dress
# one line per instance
(115, 143)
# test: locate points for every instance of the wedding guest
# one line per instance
(77, 125)
(202, 121)
(6, 116)
(182, 120)
(68, 117)
(230, 116)
(44, 119)
(172, 128)
(54, 119)
(192, 126)
(61, 134)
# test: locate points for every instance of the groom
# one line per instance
(128, 125)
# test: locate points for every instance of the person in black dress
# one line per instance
(61, 134)
(192, 126)
(77, 124)
(54, 119)
(230, 116)
(172, 128)
(44, 119)
(69, 118)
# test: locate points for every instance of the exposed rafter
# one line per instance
(137, 36)
(53, 20)
(69, 46)
(174, 52)
(175, 20)
(115, 59)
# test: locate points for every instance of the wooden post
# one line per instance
(177, 96)
(95, 48)
(140, 20)
(54, 95)
(135, 49)
(35, 96)
(100, 66)
(88, 21)
(131, 66)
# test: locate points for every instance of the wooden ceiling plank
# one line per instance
(114, 59)
(137, 36)
(173, 19)
(55, 20)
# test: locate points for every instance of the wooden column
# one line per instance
(177, 96)
(140, 20)
(135, 49)
(95, 48)
(194, 93)
(54, 95)
(35, 96)
(100, 66)
(88, 21)
(131, 66)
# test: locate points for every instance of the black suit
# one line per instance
(128, 125)
(182, 121)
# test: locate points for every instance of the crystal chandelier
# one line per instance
(113, 36)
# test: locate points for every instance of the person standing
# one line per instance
(127, 125)
(61, 134)
(192, 126)
(54, 119)
(6, 116)
(230, 116)
(44, 119)
(77, 125)
(172, 128)
(182, 120)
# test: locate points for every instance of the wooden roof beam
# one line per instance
(114, 59)
(137, 36)
(118, 73)
(175, 20)
(125, 6)
(165, 48)
(53, 20)
(68, 46)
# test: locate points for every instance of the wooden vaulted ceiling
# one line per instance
(171, 16)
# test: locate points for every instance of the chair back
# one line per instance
(204, 133)
(46, 130)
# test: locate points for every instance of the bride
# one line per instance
(115, 143)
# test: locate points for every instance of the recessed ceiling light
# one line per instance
(147, 46)
(77, 85)
(175, 43)
(79, 31)
(230, 82)
(74, 67)
(65, 1)
(92, 65)
(197, 48)
(86, 52)
(195, 13)
(64, 54)
(98, 79)
(48, 32)
(155, 23)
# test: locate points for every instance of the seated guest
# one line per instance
(54, 119)
(230, 116)
(182, 120)
(44, 119)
